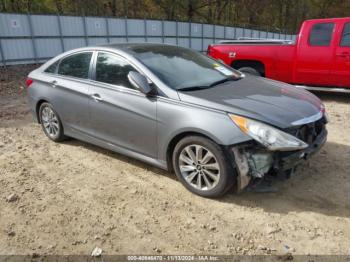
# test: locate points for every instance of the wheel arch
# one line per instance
(256, 64)
(175, 139)
(37, 107)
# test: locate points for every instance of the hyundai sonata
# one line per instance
(180, 110)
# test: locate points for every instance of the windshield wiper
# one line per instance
(192, 88)
(221, 81)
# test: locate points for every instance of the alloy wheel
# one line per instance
(50, 121)
(199, 167)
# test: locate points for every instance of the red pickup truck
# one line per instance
(318, 59)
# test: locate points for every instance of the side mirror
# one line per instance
(140, 82)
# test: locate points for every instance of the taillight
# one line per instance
(209, 49)
(29, 81)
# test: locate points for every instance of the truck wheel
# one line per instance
(250, 70)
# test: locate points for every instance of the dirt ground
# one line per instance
(71, 197)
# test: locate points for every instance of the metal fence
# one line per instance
(26, 38)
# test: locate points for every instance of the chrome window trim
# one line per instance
(115, 87)
(65, 77)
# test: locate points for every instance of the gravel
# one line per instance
(135, 208)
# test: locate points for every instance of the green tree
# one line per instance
(285, 15)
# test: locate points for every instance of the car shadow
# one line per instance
(320, 185)
(119, 157)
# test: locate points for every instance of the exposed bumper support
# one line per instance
(242, 168)
(252, 164)
(290, 161)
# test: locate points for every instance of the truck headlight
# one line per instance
(270, 137)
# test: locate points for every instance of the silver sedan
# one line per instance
(179, 110)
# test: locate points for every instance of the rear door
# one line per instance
(120, 114)
(70, 88)
(341, 68)
(315, 55)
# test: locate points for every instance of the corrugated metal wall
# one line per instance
(36, 38)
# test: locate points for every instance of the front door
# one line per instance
(120, 114)
(315, 55)
(341, 68)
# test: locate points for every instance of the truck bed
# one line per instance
(277, 55)
(257, 41)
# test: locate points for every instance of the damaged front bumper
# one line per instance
(288, 161)
(254, 162)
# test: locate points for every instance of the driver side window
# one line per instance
(113, 70)
(345, 38)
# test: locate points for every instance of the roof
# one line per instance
(131, 47)
(328, 19)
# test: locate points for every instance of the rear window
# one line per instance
(345, 38)
(76, 65)
(52, 68)
(321, 34)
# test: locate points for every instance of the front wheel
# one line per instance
(202, 167)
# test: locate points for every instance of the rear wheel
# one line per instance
(250, 70)
(51, 122)
(201, 166)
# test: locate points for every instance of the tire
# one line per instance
(250, 70)
(198, 183)
(51, 122)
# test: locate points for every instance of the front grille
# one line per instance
(308, 132)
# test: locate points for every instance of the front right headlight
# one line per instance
(272, 138)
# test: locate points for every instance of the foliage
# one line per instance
(279, 15)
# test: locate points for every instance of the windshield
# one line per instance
(182, 68)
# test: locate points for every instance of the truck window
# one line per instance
(345, 38)
(321, 34)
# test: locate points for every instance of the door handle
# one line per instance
(53, 83)
(343, 54)
(97, 97)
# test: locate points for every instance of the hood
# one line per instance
(269, 101)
